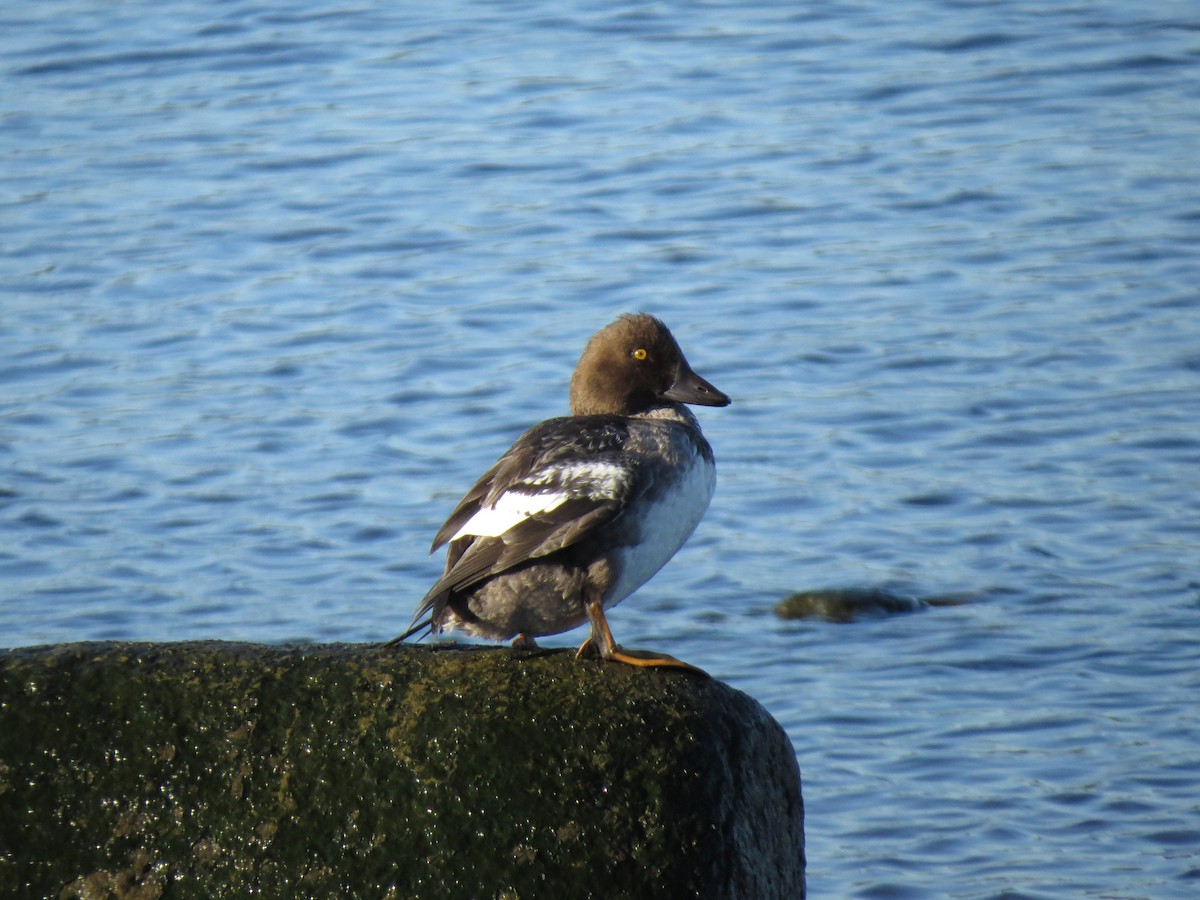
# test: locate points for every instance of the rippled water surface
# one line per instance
(281, 279)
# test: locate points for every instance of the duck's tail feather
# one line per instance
(425, 625)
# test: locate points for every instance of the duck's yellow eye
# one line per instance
(639, 354)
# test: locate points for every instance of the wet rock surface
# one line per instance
(214, 769)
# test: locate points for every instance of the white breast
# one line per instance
(665, 526)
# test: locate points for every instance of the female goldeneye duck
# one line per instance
(582, 510)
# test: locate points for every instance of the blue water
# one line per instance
(281, 279)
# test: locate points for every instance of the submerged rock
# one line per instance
(845, 604)
(211, 770)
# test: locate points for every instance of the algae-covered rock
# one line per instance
(211, 770)
(851, 604)
(845, 604)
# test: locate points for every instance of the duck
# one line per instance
(583, 509)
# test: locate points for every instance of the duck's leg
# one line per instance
(524, 642)
(601, 641)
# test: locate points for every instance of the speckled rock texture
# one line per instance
(212, 770)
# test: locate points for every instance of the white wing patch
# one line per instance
(510, 508)
(558, 484)
(596, 479)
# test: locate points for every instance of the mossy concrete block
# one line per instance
(211, 770)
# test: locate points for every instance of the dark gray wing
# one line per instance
(570, 476)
